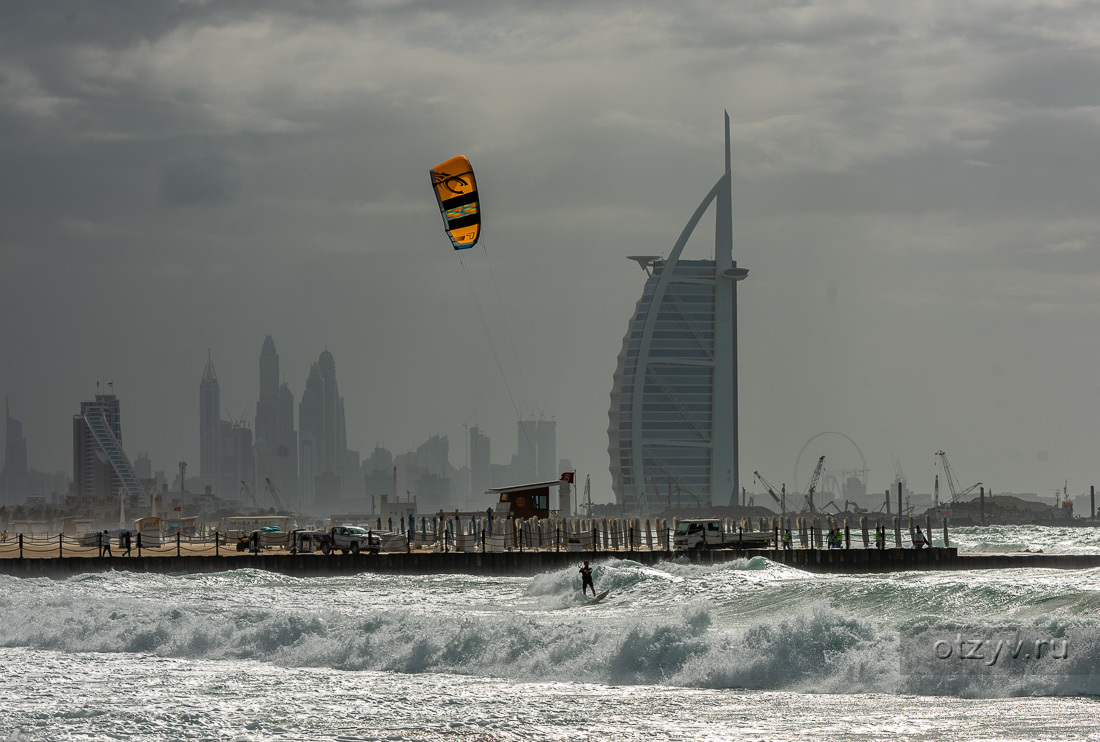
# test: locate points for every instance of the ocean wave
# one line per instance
(673, 624)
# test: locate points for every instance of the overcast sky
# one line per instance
(915, 194)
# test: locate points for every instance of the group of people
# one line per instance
(834, 539)
(920, 541)
(124, 542)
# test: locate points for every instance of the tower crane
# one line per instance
(780, 501)
(951, 484)
(248, 491)
(813, 484)
(274, 494)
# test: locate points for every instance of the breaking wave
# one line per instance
(752, 624)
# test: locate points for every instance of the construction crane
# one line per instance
(780, 501)
(813, 484)
(274, 494)
(951, 483)
(248, 491)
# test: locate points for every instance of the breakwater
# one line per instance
(853, 561)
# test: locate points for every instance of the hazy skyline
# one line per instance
(913, 195)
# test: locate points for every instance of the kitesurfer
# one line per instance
(586, 580)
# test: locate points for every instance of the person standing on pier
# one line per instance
(919, 541)
(586, 580)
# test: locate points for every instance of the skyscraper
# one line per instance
(311, 426)
(276, 441)
(100, 465)
(15, 446)
(527, 460)
(673, 414)
(323, 445)
(479, 463)
(210, 444)
(546, 446)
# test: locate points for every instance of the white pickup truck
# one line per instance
(707, 533)
(350, 538)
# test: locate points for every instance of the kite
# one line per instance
(456, 192)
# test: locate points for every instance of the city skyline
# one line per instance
(912, 190)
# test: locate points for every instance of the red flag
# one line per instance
(568, 476)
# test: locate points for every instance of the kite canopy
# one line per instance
(456, 192)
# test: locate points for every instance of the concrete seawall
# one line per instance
(852, 561)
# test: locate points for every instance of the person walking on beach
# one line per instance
(586, 580)
(104, 544)
(124, 541)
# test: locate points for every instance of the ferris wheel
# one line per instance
(844, 474)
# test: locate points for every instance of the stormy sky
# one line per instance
(914, 193)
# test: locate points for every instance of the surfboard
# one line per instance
(600, 597)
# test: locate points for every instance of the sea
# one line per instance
(750, 650)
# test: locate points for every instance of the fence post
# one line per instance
(177, 543)
(21, 545)
(408, 543)
(594, 542)
(139, 544)
(59, 546)
(668, 540)
(631, 529)
(216, 552)
(557, 539)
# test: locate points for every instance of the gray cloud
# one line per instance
(203, 179)
(913, 194)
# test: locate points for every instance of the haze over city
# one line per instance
(913, 195)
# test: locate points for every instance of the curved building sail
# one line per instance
(672, 434)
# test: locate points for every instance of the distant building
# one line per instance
(526, 461)
(673, 413)
(210, 430)
(480, 471)
(323, 464)
(536, 450)
(546, 448)
(432, 483)
(101, 468)
(238, 464)
(143, 466)
(15, 446)
(276, 440)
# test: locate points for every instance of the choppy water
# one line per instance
(751, 650)
(1048, 539)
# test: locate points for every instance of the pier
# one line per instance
(843, 561)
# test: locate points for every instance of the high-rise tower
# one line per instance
(101, 468)
(323, 448)
(673, 415)
(210, 448)
(276, 441)
(15, 446)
